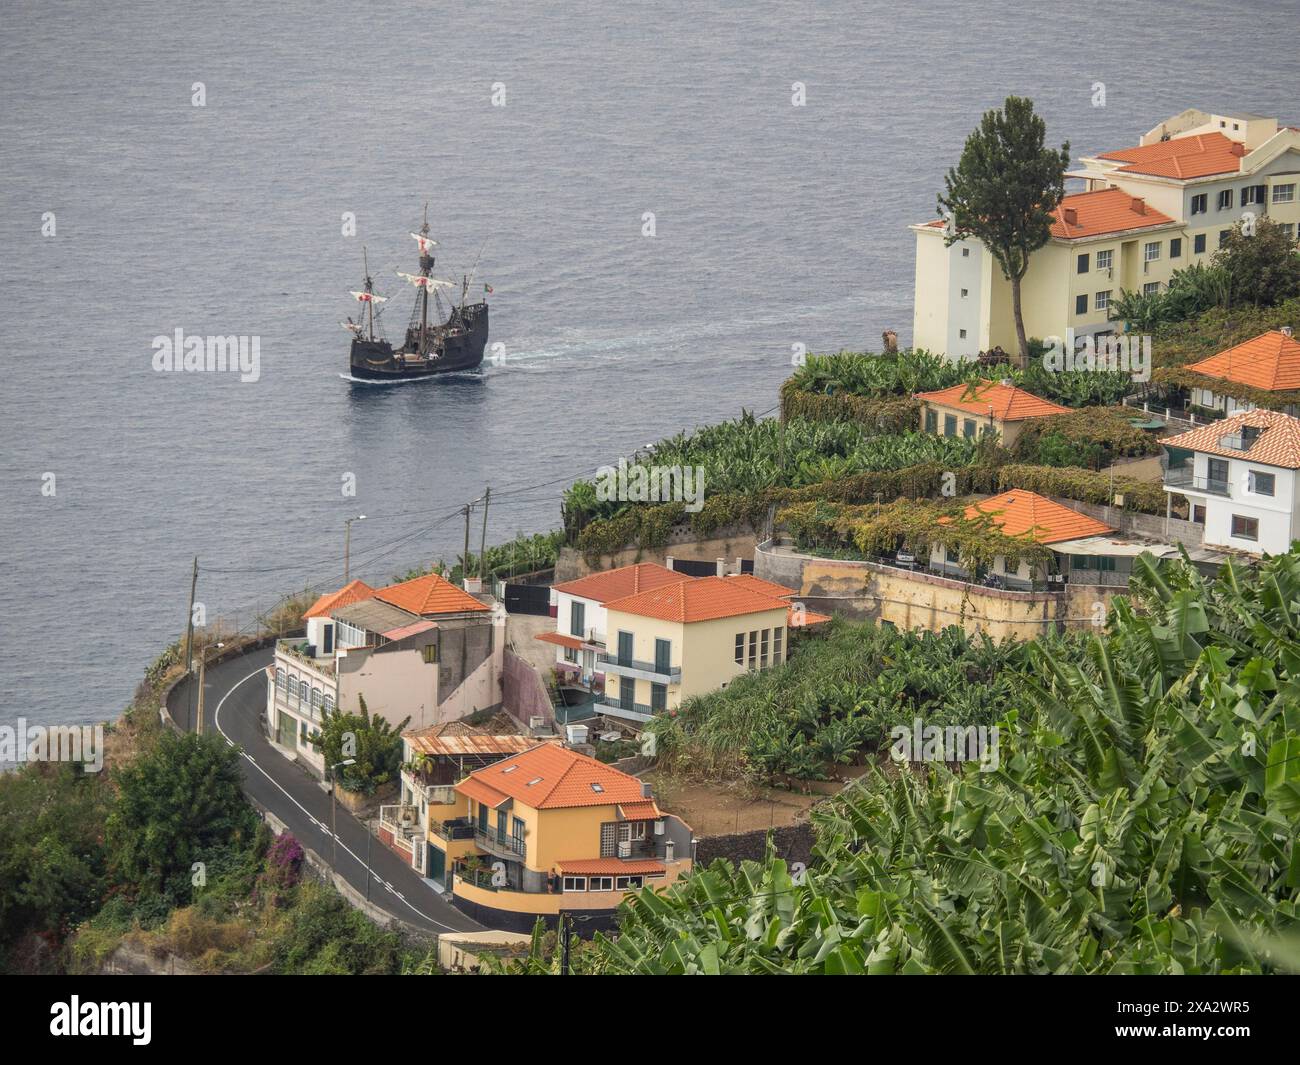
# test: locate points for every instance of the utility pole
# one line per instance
(482, 544)
(566, 932)
(464, 564)
(189, 620)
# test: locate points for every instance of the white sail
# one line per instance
(351, 327)
(370, 297)
(420, 281)
(424, 242)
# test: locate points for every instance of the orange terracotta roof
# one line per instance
(621, 582)
(430, 594)
(1270, 361)
(560, 639)
(481, 792)
(701, 599)
(1021, 513)
(1103, 211)
(611, 867)
(1181, 157)
(639, 811)
(552, 777)
(1277, 445)
(757, 584)
(808, 617)
(1006, 403)
(352, 592)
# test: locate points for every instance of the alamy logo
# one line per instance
(53, 743)
(946, 743)
(103, 1018)
(651, 484)
(208, 354)
(1130, 354)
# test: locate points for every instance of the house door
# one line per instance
(624, 648)
(438, 865)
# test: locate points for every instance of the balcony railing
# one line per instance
(456, 829)
(493, 839)
(1182, 477)
(297, 648)
(615, 664)
(620, 707)
(400, 820)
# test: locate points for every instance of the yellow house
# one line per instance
(971, 410)
(1145, 211)
(551, 831)
(689, 638)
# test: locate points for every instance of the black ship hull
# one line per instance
(455, 347)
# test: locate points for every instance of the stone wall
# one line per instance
(525, 693)
(730, 542)
(794, 843)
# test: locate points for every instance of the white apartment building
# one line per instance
(1144, 212)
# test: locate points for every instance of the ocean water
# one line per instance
(775, 225)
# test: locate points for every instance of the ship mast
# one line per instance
(370, 290)
(426, 265)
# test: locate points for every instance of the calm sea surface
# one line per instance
(775, 225)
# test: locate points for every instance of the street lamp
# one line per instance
(347, 543)
(334, 808)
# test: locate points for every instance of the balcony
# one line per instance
(402, 821)
(1182, 478)
(297, 649)
(631, 667)
(494, 841)
(459, 828)
(615, 707)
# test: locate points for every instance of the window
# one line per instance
(1176, 248)
(291, 686)
(931, 421)
(577, 618)
(279, 680)
(1198, 244)
(776, 645)
(950, 425)
(328, 640)
(1200, 204)
(763, 647)
(600, 883)
(663, 655)
(1245, 528)
(327, 704)
(961, 333)
(627, 693)
(1225, 199)
(1151, 288)
(302, 733)
(753, 649)
(609, 839)
(429, 652)
(1151, 251)
(1253, 194)
(571, 654)
(1223, 236)
(1082, 266)
(1288, 230)
(968, 428)
(965, 253)
(1284, 193)
(740, 648)
(658, 697)
(1260, 483)
(622, 883)
(624, 648)
(575, 883)
(517, 834)
(1103, 300)
(964, 293)
(1080, 304)
(1104, 259)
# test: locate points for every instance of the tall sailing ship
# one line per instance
(439, 339)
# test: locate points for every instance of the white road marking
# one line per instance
(216, 720)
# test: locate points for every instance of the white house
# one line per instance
(1238, 478)
(579, 606)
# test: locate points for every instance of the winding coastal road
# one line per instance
(234, 700)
